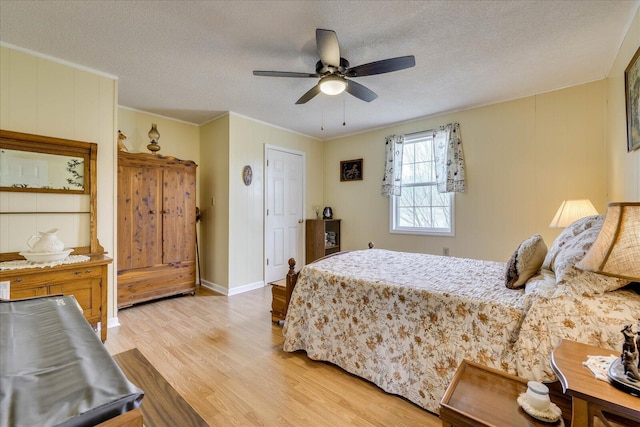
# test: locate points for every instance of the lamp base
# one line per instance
(153, 147)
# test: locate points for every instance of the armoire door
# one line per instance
(139, 217)
(179, 215)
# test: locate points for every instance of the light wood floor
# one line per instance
(224, 356)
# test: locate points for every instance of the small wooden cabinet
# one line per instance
(156, 227)
(279, 302)
(86, 281)
(322, 238)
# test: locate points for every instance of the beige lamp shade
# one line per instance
(571, 211)
(616, 251)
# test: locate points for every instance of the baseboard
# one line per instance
(233, 291)
(112, 322)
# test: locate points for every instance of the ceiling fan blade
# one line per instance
(328, 48)
(309, 95)
(360, 91)
(381, 67)
(283, 74)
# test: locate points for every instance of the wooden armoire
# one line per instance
(156, 227)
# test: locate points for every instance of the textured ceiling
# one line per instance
(193, 60)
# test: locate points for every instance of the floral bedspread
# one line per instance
(563, 314)
(406, 321)
(408, 327)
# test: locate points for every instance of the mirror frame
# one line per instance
(65, 147)
(42, 144)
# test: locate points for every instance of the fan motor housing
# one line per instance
(323, 69)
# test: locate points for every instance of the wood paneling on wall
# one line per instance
(523, 157)
(44, 97)
(623, 169)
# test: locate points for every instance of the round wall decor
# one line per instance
(247, 175)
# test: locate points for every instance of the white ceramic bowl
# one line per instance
(42, 257)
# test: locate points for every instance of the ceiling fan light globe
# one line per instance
(332, 85)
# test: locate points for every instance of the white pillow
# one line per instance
(587, 283)
(565, 240)
(568, 250)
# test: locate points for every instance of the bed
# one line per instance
(405, 321)
(55, 371)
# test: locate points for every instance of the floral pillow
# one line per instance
(525, 261)
(568, 249)
(566, 241)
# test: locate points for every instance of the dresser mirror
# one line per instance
(33, 163)
(41, 164)
(29, 171)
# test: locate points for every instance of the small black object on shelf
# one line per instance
(327, 213)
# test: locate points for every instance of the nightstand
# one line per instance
(591, 397)
(279, 301)
(483, 396)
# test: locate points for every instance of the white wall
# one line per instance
(623, 184)
(523, 158)
(214, 193)
(237, 223)
(44, 97)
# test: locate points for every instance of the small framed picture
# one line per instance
(351, 170)
(632, 98)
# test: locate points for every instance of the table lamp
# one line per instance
(572, 210)
(616, 250)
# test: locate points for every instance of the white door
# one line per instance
(284, 220)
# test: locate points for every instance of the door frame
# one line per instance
(268, 147)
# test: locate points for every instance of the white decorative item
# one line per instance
(46, 242)
(40, 257)
(552, 414)
(538, 396)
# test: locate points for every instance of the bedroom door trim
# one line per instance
(299, 249)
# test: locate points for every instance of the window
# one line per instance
(421, 209)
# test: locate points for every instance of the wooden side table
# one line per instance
(482, 396)
(279, 302)
(591, 397)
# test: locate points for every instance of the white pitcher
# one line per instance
(46, 242)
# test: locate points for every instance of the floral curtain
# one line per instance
(447, 146)
(391, 183)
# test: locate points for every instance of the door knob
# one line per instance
(300, 221)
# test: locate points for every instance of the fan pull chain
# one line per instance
(344, 114)
(322, 120)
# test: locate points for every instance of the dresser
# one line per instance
(86, 281)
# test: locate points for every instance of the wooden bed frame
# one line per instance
(282, 296)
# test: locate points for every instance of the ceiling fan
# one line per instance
(333, 70)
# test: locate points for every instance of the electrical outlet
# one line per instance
(5, 290)
(445, 251)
